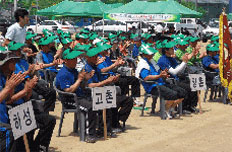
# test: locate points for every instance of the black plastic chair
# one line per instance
(70, 104)
(162, 101)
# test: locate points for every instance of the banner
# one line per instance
(225, 63)
(143, 17)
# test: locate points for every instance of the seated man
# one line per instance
(7, 86)
(167, 61)
(124, 81)
(69, 80)
(45, 57)
(211, 62)
(147, 70)
(124, 103)
(41, 88)
(22, 93)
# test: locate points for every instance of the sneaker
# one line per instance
(90, 139)
(112, 134)
(43, 148)
(168, 115)
(117, 130)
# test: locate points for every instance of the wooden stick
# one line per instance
(105, 127)
(199, 101)
(26, 143)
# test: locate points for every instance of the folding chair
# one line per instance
(70, 104)
(162, 101)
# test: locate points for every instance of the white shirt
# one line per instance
(16, 33)
(159, 28)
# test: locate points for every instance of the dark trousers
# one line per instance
(169, 92)
(91, 116)
(122, 112)
(6, 138)
(49, 94)
(191, 98)
(125, 81)
(46, 124)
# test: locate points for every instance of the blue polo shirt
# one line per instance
(3, 112)
(97, 77)
(144, 73)
(67, 77)
(168, 62)
(207, 60)
(22, 66)
(135, 51)
(47, 59)
(216, 57)
(105, 64)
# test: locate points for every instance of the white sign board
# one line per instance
(104, 98)
(22, 119)
(197, 82)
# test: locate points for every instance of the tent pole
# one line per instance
(103, 26)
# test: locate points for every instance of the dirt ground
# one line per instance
(210, 131)
(207, 132)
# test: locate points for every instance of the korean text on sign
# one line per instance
(22, 119)
(104, 97)
(197, 82)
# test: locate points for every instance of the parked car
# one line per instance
(4, 24)
(212, 29)
(51, 25)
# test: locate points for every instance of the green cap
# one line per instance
(30, 35)
(147, 49)
(194, 39)
(164, 42)
(111, 36)
(13, 46)
(122, 37)
(93, 37)
(181, 36)
(84, 31)
(173, 36)
(188, 38)
(158, 45)
(82, 47)
(214, 38)
(3, 49)
(46, 40)
(182, 42)
(94, 51)
(65, 35)
(66, 40)
(59, 31)
(119, 32)
(82, 36)
(212, 47)
(170, 44)
(71, 54)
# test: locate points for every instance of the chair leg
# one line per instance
(206, 93)
(153, 106)
(144, 104)
(82, 126)
(162, 109)
(225, 94)
(180, 107)
(75, 123)
(61, 122)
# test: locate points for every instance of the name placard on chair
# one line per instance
(104, 97)
(197, 82)
(22, 119)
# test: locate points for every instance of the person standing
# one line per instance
(17, 31)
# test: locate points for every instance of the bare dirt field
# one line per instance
(207, 132)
